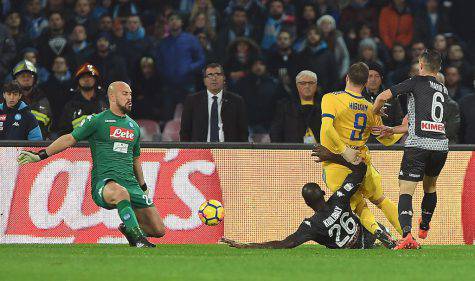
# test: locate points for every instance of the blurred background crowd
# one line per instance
(64, 54)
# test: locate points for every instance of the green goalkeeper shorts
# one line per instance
(138, 198)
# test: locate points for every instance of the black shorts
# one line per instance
(418, 162)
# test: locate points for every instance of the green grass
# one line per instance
(219, 262)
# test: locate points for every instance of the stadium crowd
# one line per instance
(65, 53)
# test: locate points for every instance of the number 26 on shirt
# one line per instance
(359, 125)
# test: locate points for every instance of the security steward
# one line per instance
(87, 99)
(16, 120)
(26, 75)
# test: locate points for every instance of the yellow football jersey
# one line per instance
(352, 116)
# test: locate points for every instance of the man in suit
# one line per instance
(299, 121)
(214, 115)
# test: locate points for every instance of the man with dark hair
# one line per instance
(317, 57)
(347, 119)
(179, 57)
(282, 59)
(53, 41)
(238, 25)
(214, 115)
(16, 120)
(426, 146)
(333, 225)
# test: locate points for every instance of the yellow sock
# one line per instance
(390, 211)
(366, 217)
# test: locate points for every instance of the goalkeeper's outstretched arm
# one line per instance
(57, 146)
(62, 143)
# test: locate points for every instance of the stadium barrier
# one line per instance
(259, 185)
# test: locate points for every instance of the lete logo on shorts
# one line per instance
(119, 133)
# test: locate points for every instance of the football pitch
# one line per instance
(219, 262)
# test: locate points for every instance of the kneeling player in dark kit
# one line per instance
(333, 225)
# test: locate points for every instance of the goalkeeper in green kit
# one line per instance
(117, 177)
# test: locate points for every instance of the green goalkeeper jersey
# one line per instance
(114, 142)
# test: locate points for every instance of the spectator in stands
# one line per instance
(81, 47)
(396, 24)
(456, 57)
(110, 65)
(317, 58)
(281, 60)
(451, 115)
(214, 115)
(82, 15)
(59, 6)
(101, 9)
(16, 120)
(374, 87)
(453, 82)
(208, 48)
(53, 41)
(14, 24)
(35, 22)
(31, 54)
(276, 22)
(260, 92)
(87, 99)
(357, 13)
(299, 121)
(206, 8)
(105, 24)
(7, 51)
(123, 9)
(146, 89)
(307, 18)
(241, 54)
(399, 58)
(199, 23)
(327, 7)
(26, 75)
(58, 89)
(430, 21)
(368, 52)
(467, 115)
(179, 58)
(254, 9)
(237, 26)
(417, 48)
(336, 44)
(137, 44)
(440, 45)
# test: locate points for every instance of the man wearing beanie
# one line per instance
(372, 90)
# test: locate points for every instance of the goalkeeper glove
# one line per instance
(26, 156)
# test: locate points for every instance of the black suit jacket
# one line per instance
(290, 123)
(194, 119)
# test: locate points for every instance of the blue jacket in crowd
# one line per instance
(179, 58)
(18, 123)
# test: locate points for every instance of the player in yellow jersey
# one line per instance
(347, 119)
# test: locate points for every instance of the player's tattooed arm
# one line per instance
(287, 243)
